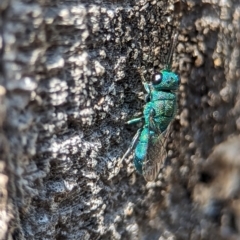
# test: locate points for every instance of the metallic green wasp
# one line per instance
(160, 109)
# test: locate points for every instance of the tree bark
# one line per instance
(72, 74)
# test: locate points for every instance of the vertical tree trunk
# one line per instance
(72, 74)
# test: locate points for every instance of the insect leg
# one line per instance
(140, 119)
(152, 124)
(148, 90)
(147, 87)
(135, 120)
(135, 138)
(155, 127)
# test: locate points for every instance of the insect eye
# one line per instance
(156, 78)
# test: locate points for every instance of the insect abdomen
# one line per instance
(141, 149)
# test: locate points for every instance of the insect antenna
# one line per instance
(172, 47)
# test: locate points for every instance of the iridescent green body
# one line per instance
(164, 105)
(159, 110)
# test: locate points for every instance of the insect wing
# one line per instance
(156, 155)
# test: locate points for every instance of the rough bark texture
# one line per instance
(71, 74)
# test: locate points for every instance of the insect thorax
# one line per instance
(164, 106)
